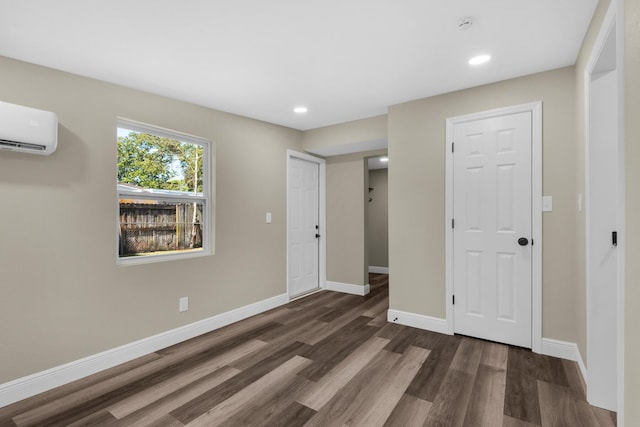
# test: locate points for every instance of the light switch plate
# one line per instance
(268, 217)
(547, 204)
(579, 202)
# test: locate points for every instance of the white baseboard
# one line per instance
(31, 385)
(378, 270)
(419, 321)
(347, 288)
(564, 350)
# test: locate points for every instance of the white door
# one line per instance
(492, 253)
(303, 220)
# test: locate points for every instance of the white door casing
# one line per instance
(494, 197)
(305, 256)
(604, 215)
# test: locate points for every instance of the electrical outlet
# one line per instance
(183, 304)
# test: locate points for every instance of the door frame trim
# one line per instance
(615, 10)
(322, 216)
(536, 211)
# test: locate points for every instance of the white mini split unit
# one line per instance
(27, 130)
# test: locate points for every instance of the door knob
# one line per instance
(523, 241)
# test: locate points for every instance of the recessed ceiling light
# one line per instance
(300, 110)
(384, 159)
(480, 59)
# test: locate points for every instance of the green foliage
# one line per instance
(151, 161)
(190, 158)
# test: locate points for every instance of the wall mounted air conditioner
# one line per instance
(27, 130)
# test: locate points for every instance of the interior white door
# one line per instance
(303, 226)
(603, 256)
(492, 254)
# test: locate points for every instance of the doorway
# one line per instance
(604, 198)
(494, 225)
(377, 201)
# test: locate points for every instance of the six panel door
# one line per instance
(492, 231)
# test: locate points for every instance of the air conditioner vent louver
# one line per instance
(12, 145)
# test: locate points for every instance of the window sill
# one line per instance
(152, 259)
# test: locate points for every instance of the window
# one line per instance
(163, 192)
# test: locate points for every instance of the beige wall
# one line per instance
(417, 194)
(355, 136)
(62, 297)
(345, 220)
(347, 195)
(378, 231)
(632, 243)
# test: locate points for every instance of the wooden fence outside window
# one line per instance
(153, 227)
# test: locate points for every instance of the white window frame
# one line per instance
(204, 197)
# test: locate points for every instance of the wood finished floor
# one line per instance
(329, 359)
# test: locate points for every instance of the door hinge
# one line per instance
(452, 149)
(454, 299)
(453, 223)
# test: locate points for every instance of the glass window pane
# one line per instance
(154, 162)
(152, 227)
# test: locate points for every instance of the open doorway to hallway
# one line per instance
(378, 215)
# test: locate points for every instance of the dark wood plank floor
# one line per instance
(329, 359)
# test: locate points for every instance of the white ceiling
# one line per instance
(343, 59)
